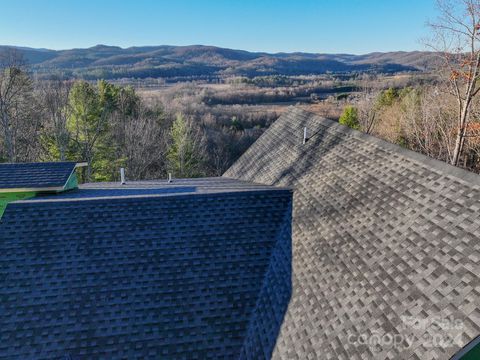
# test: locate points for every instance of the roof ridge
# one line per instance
(444, 168)
(40, 162)
(262, 191)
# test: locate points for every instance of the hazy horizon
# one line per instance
(208, 45)
(346, 27)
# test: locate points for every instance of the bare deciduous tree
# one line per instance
(429, 122)
(15, 93)
(55, 94)
(367, 109)
(145, 146)
(456, 38)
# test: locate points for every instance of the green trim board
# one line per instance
(72, 182)
(6, 198)
(473, 354)
(470, 352)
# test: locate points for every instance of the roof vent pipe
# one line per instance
(122, 176)
(305, 138)
(170, 177)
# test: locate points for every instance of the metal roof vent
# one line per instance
(305, 138)
(122, 176)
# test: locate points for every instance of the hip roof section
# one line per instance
(381, 236)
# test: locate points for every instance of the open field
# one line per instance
(326, 95)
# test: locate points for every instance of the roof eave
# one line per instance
(45, 189)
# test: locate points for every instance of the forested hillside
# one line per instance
(183, 62)
(193, 110)
(112, 126)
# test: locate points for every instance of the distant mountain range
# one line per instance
(111, 62)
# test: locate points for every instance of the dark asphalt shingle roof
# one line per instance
(381, 236)
(145, 270)
(35, 175)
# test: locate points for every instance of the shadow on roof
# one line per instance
(120, 192)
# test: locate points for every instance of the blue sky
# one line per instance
(331, 26)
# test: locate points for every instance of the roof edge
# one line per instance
(77, 163)
(463, 353)
(46, 189)
(263, 191)
(434, 164)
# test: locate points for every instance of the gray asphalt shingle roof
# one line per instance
(381, 236)
(145, 270)
(35, 175)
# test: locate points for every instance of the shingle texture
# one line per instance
(35, 175)
(146, 270)
(386, 244)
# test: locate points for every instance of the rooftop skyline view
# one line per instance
(240, 179)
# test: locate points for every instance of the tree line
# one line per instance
(108, 126)
(442, 118)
